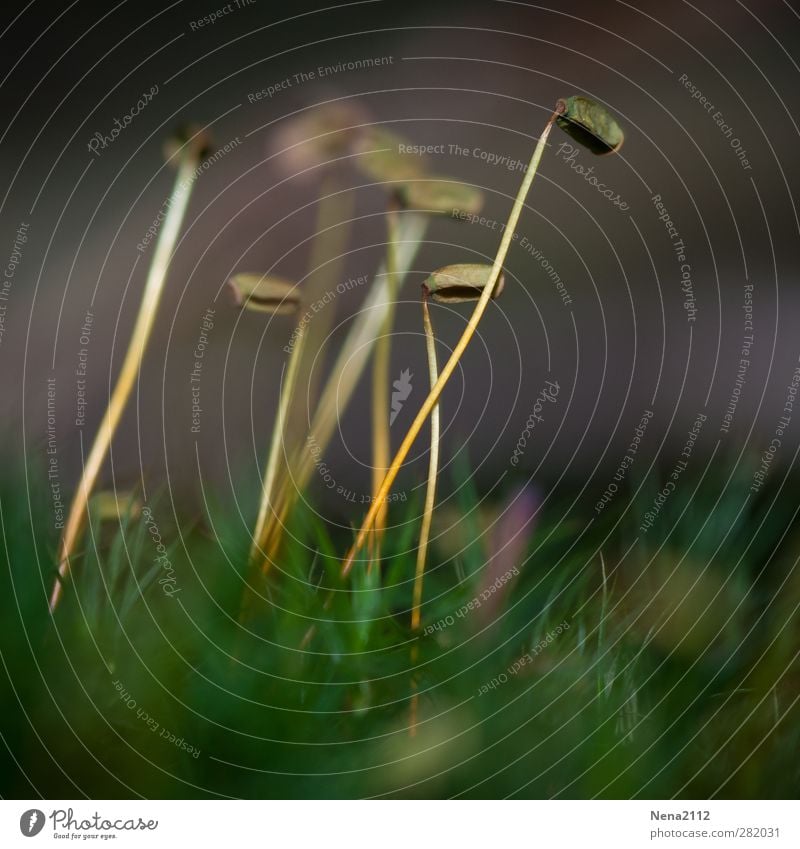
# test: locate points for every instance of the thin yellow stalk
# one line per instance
(129, 372)
(429, 403)
(381, 445)
(267, 508)
(433, 469)
(427, 516)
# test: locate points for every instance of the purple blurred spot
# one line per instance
(509, 538)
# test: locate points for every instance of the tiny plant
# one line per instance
(187, 149)
(273, 296)
(453, 284)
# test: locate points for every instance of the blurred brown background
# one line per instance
(482, 76)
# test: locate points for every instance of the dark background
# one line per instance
(482, 75)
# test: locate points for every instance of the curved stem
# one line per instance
(430, 500)
(381, 444)
(129, 372)
(433, 470)
(429, 403)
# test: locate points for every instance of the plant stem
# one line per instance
(267, 507)
(381, 445)
(433, 469)
(154, 287)
(451, 364)
(427, 516)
